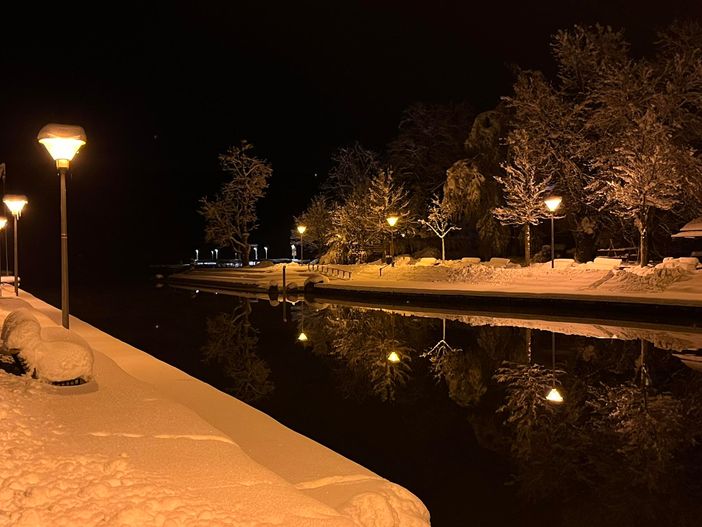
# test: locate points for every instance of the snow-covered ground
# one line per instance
(145, 444)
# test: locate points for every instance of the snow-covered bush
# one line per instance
(51, 354)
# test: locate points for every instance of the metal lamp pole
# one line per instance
(15, 204)
(63, 142)
(301, 229)
(552, 203)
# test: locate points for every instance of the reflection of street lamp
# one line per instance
(63, 142)
(265, 248)
(15, 204)
(301, 229)
(3, 224)
(393, 357)
(552, 203)
(554, 395)
(302, 337)
(392, 221)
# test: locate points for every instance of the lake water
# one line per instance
(452, 405)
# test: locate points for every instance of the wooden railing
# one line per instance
(329, 271)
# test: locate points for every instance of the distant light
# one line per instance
(15, 203)
(554, 396)
(156, 326)
(302, 337)
(392, 220)
(301, 229)
(553, 202)
(62, 140)
(393, 357)
(197, 291)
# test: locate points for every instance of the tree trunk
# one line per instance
(443, 250)
(527, 245)
(643, 241)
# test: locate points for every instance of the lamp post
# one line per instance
(265, 248)
(552, 203)
(63, 142)
(15, 203)
(3, 224)
(392, 221)
(301, 229)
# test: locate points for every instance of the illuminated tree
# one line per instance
(231, 215)
(317, 218)
(524, 188)
(439, 221)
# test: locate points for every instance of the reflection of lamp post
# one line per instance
(393, 357)
(15, 204)
(392, 221)
(301, 229)
(552, 203)
(3, 224)
(63, 142)
(554, 395)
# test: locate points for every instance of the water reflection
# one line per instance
(231, 346)
(620, 448)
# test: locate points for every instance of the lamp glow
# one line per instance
(302, 337)
(62, 140)
(393, 357)
(553, 202)
(3, 222)
(301, 229)
(15, 203)
(554, 396)
(392, 220)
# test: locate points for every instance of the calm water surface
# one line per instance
(451, 406)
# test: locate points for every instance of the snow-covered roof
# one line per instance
(692, 229)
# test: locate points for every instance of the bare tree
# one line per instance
(231, 215)
(439, 221)
(353, 166)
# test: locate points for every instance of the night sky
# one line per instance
(161, 91)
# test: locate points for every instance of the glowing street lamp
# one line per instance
(3, 224)
(392, 221)
(302, 337)
(301, 229)
(15, 203)
(552, 203)
(63, 142)
(393, 357)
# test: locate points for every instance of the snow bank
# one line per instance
(51, 354)
(120, 452)
(645, 279)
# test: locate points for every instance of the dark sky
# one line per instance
(162, 90)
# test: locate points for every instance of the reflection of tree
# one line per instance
(615, 453)
(363, 341)
(231, 345)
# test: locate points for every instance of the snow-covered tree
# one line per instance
(524, 189)
(385, 198)
(231, 215)
(645, 173)
(439, 221)
(352, 167)
(317, 218)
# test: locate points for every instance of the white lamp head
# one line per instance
(553, 202)
(393, 357)
(392, 220)
(301, 229)
(62, 141)
(302, 337)
(3, 222)
(15, 203)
